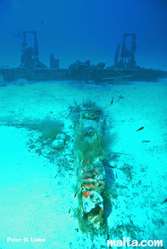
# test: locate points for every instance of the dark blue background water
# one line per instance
(85, 29)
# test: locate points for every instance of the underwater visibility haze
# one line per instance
(82, 30)
(83, 156)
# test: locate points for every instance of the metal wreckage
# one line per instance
(92, 136)
(32, 68)
(91, 146)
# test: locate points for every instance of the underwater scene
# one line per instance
(83, 124)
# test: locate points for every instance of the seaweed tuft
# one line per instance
(50, 128)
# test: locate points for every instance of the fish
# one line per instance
(77, 192)
(112, 101)
(164, 201)
(141, 128)
(146, 141)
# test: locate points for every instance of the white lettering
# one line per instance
(38, 240)
(26, 239)
(110, 243)
(158, 243)
(134, 243)
(128, 242)
(124, 241)
(119, 243)
(13, 240)
(150, 243)
(143, 241)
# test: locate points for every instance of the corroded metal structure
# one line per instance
(91, 148)
(32, 68)
(127, 54)
(30, 55)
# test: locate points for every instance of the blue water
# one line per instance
(82, 30)
(36, 196)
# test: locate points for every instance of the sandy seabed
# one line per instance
(37, 198)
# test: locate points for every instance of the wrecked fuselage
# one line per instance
(91, 150)
(125, 66)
